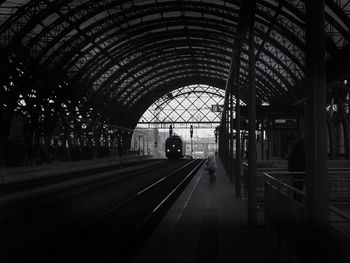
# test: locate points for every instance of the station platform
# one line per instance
(10, 175)
(209, 224)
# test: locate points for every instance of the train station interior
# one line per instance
(175, 131)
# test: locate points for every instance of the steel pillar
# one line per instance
(228, 142)
(262, 140)
(252, 212)
(238, 132)
(316, 125)
(231, 134)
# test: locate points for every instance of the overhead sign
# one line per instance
(332, 107)
(217, 108)
(285, 123)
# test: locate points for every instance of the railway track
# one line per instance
(96, 224)
(24, 196)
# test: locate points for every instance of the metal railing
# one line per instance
(339, 233)
(339, 178)
(342, 163)
(285, 212)
(262, 167)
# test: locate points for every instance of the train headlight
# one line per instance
(168, 150)
(178, 150)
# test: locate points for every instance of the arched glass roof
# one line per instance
(126, 54)
(196, 105)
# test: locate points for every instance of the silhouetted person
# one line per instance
(63, 152)
(296, 163)
(120, 150)
(210, 167)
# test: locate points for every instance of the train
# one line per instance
(175, 147)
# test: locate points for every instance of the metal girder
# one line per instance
(28, 16)
(139, 62)
(92, 60)
(252, 180)
(167, 46)
(169, 61)
(116, 75)
(95, 41)
(339, 7)
(155, 68)
(143, 30)
(166, 57)
(189, 92)
(185, 105)
(147, 10)
(339, 33)
(137, 45)
(105, 19)
(168, 75)
(164, 50)
(141, 106)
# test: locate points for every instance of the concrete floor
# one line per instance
(209, 224)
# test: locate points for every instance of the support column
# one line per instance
(231, 164)
(269, 141)
(316, 124)
(252, 212)
(238, 132)
(262, 140)
(227, 145)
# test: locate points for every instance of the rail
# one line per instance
(121, 229)
(46, 187)
(155, 214)
(27, 173)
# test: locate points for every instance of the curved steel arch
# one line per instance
(177, 43)
(178, 71)
(171, 73)
(190, 92)
(31, 4)
(140, 107)
(185, 73)
(174, 63)
(281, 45)
(104, 8)
(125, 54)
(213, 26)
(340, 13)
(268, 77)
(186, 43)
(173, 7)
(170, 58)
(168, 108)
(146, 58)
(299, 43)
